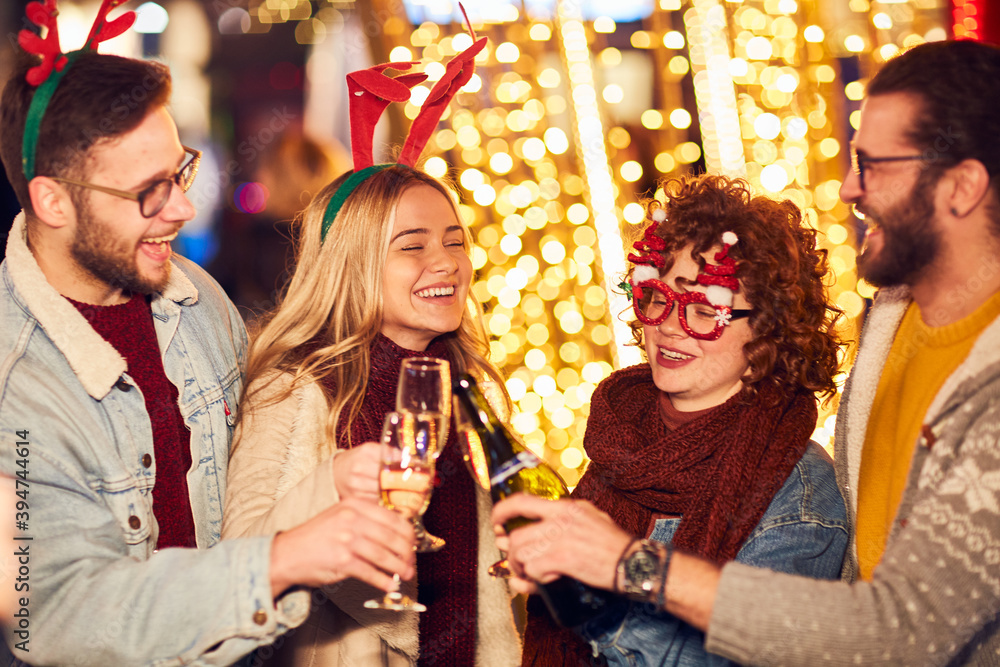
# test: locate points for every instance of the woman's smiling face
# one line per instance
(696, 374)
(427, 270)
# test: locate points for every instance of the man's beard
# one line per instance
(108, 258)
(910, 240)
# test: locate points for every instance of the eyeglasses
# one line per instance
(860, 162)
(653, 301)
(154, 198)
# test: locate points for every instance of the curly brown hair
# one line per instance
(780, 269)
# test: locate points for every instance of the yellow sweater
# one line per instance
(920, 361)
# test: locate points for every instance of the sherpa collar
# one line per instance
(876, 341)
(96, 363)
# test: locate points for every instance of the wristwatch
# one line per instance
(642, 570)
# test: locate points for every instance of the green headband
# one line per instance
(39, 104)
(344, 191)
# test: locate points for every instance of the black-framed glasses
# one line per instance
(860, 162)
(653, 301)
(155, 197)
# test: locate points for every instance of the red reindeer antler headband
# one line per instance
(371, 91)
(47, 75)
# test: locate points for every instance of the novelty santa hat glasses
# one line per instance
(371, 91)
(719, 279)
(47, 75)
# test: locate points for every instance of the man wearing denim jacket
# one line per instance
(920, 414)
(120, 451)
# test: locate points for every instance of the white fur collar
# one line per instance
(96, 363)
(879, 333)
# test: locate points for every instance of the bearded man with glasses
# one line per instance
(120, 377)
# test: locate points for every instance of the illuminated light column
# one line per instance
(706, 27)
(600, 193)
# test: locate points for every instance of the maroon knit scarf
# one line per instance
(447, 579)
(719, 471)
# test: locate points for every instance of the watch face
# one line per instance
(640, 568)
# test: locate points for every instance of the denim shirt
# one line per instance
(803, 531)
(98, 592)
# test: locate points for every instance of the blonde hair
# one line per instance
(332, 308)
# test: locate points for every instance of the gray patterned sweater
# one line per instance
(935, 597)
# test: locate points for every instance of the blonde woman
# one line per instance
(388, 279)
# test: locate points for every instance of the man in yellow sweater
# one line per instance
(918, 430)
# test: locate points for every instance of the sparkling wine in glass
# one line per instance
(405, 482)
(425, 392)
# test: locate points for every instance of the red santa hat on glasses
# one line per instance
(719, 279)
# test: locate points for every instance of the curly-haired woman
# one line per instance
(707, 446)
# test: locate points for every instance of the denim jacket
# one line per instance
(803, 531)
(98, 593)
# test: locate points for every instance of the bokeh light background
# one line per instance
(578, 109)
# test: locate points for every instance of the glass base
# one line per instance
(429, 544)
(500, 569)
(396, 601)
(426, 543)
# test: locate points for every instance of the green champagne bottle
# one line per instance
(500, 461)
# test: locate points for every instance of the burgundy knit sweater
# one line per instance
(128, 327)
(446, 579)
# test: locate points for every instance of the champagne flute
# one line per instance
(424, 391)
(405, 487)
